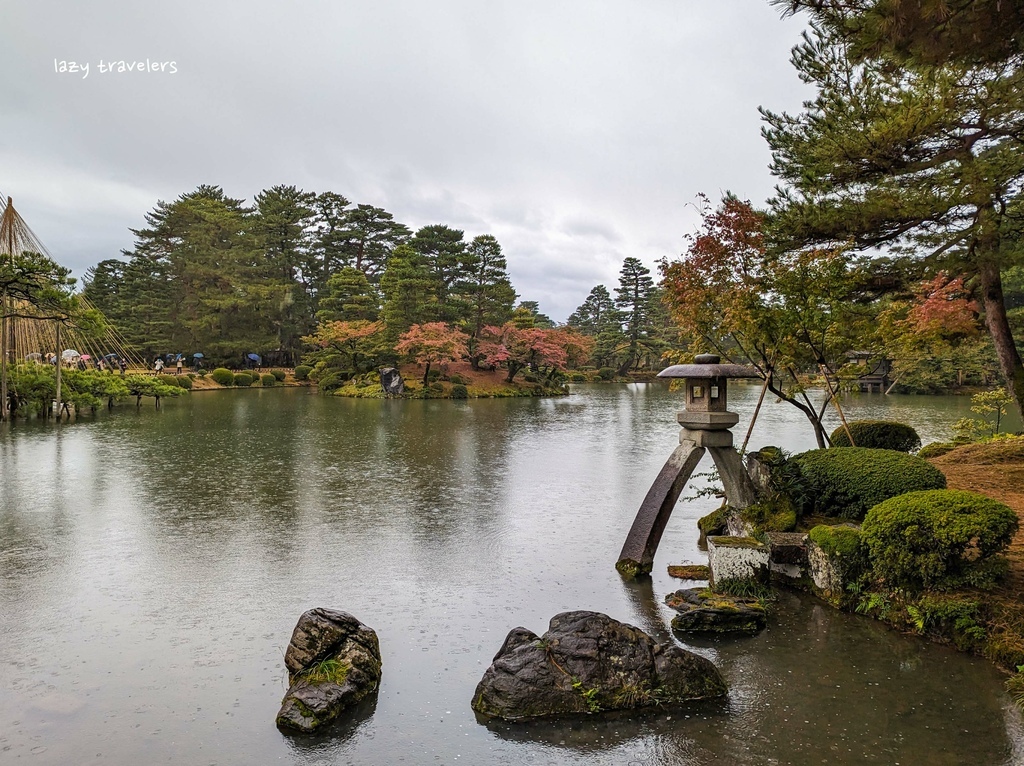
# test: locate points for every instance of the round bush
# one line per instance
(167, 380)
(436, 386)
(459, 391)
(302, 372)
(243, 379)
(457, 380)
(268, 380)
(223, 376)
(184, 381)
(606, 373)
(878, 434)
(937, 539)
(433, 375)
(577, 377)
(847, 481)
(278, 375)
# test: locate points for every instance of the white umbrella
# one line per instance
(69, 353)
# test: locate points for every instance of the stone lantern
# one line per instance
(705, 423)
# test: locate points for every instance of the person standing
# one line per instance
(178, 366)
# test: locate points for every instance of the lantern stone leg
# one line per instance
(637, 556)
(739, 489)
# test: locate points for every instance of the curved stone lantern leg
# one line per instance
(739, 489)
(637, 556)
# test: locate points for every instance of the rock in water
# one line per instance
(703, 611)
(391, 381)
(333, 661)
(587, 662)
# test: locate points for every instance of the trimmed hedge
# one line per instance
(223, 376)
(278, 375)
(847, 481)
(302, 372)
(268, 380)
(243, 379)
(184, 381)
(459, 391)
(878, 434)
(168, 380)
(938, 539)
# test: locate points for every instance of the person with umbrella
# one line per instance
(177, 366)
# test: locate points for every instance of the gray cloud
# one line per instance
(576, 132)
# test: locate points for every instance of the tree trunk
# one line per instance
(426, 374)
(999, 328)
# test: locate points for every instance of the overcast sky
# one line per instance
(578, 133)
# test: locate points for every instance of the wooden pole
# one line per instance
(58, 370)
(757, 409)
(835, 401)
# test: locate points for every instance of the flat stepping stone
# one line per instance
(690, 571)
(701, 610)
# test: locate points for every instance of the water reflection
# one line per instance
(153, 564)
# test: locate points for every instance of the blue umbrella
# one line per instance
(254, 357)
(197, 356)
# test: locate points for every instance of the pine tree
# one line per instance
(633, 298)
(483, 289)
(927, 159)
(443, 251)
(349, 297)
(410, 292)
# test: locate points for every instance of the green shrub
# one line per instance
(606, 373)
(332, 381)
(938, 539)
(775, 515)
(223, 376)
(950, 616)
(577, 377)
(278, 375)
(878, 434)
(784, 478)
(847, 481)
(937, 449)
(436, 386)
(167, 380)
(459, 392)
(202, 373)
(268, 380)
(457, 380)
(243, 379)
(841, 541)
(184, 381)
(433, 375)
(302, 372)
(531, 378)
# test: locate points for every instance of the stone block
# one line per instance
(737, 558)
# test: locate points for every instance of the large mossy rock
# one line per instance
(391, 381)
(703, 611)
(333, 661)
(585, 663)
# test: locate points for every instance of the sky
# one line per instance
(578, 132)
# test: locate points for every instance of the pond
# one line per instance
(153, 564)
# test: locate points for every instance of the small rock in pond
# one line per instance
(333, 661)
(704, 611)
(690, 571)
(588, 662)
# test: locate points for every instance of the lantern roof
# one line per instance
(708, 366)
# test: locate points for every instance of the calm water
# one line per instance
(153, 565)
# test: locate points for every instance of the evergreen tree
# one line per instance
(537, 319)
(483, 289)
(349, 298)
(444, 252)
(410, 292)
(926, 159)
(633, 297)
(373, 234)
(282, 222)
